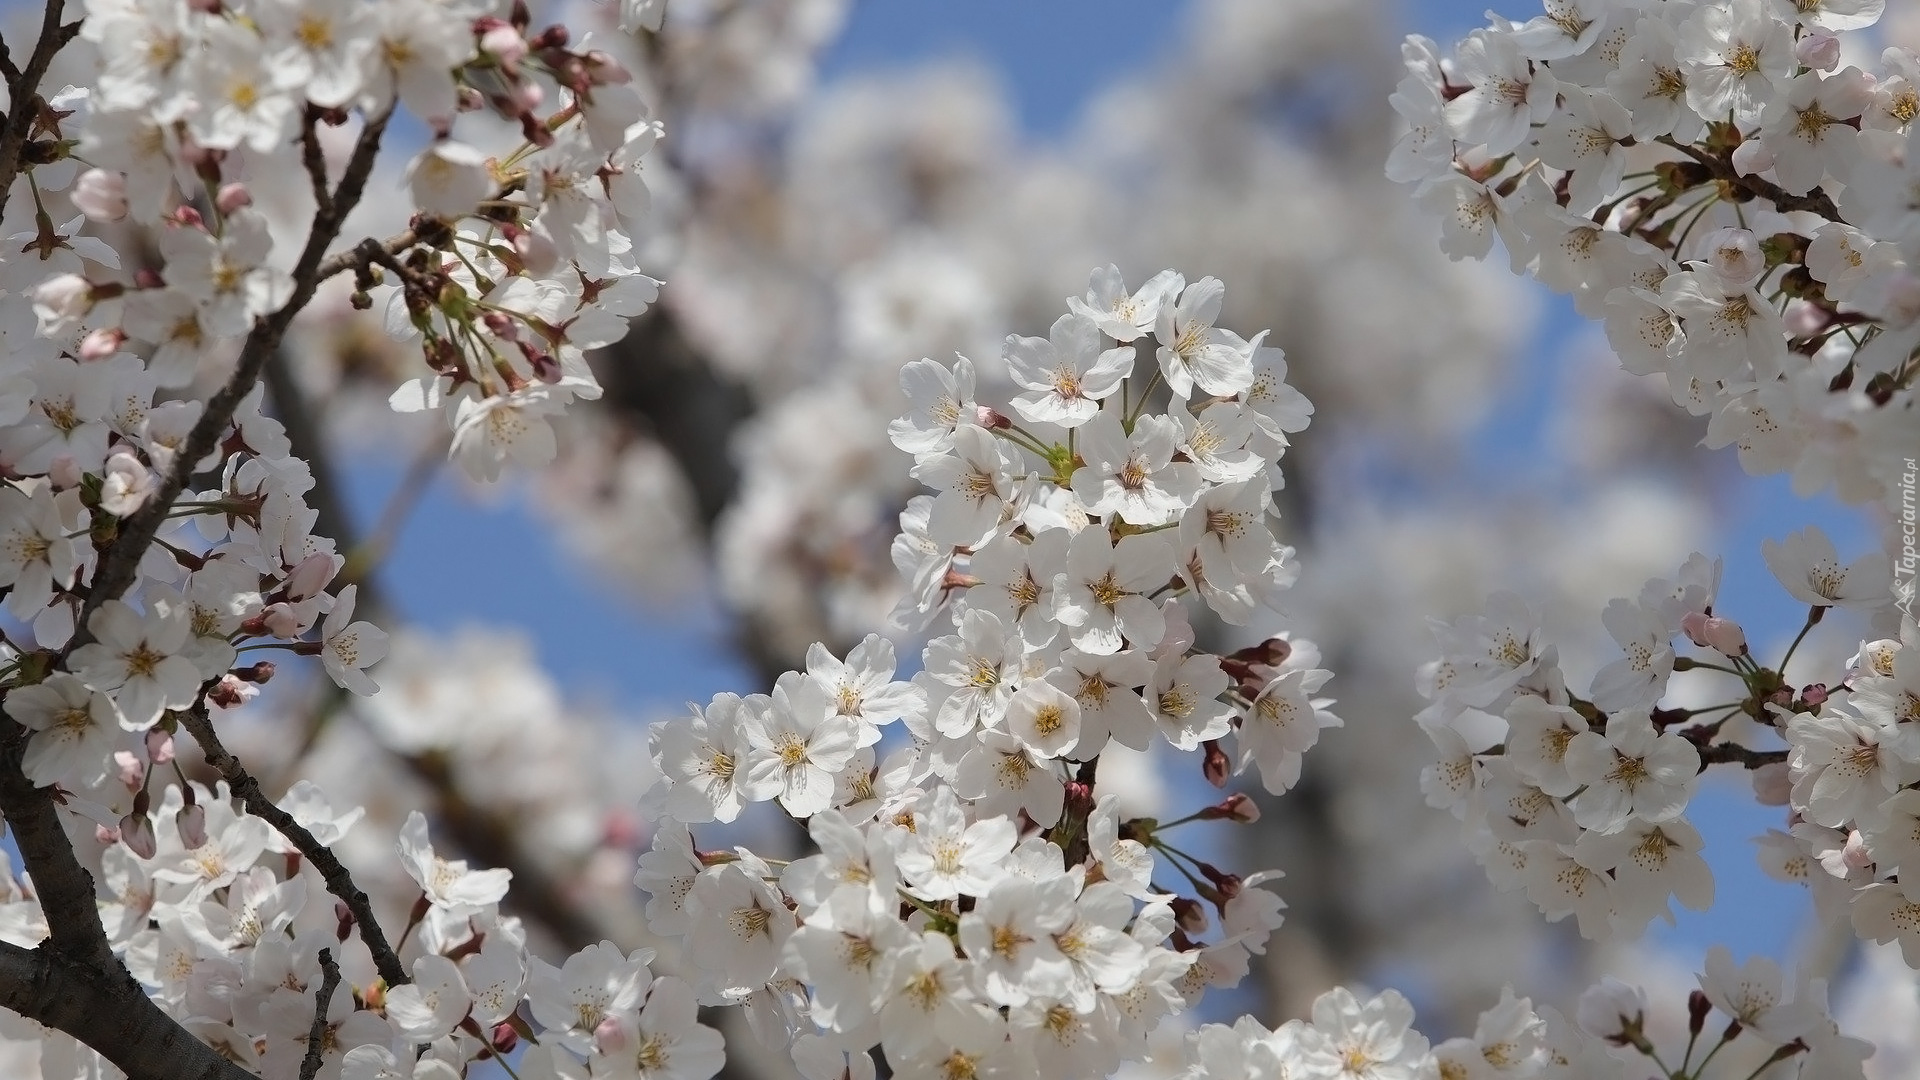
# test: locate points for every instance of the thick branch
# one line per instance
(118, 566)
(64, 886)
(339, 880)
(109, 1012)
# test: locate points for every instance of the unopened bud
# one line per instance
(233, 197)
(1215, 766)
(1814, 695)
(192, 823)
(546, 368)
(281, 622)
(504, 1038)
(987, 417)
(106, 835)
(311, 575)
(609, 1037)
(101, 194)
(98, 345)
(504, 44)
(343, 920)
(136, 831)
(1697, 1009)
(1723, 636)
(1818, 50)
(1235, 807)
(159, 746)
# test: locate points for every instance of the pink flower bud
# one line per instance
(524, 97)
(1235, 807)
(343, 920)
(609, 1037)
(281, 621)
(106, 835)
(1818, 50)
(987, 418)
(130, 770)
(233, 197)
(1216, 766)
(310, 576)
(546, 368)
(1725, 637)
(504, 1037)
(1855, 854)
(192, 823)
(98, 345)
(100, 194)
(136, 831)
(1815, 694)
(505, 44)
(1772, 786)
(65, 472)
(159, 746)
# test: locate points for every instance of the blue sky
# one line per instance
(1052, 55)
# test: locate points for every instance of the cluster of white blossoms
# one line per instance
(979, 905)
(513, 265)
(1711, 181)
(1580, 800)
(1614, 1034)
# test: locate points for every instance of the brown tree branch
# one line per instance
(317, 1033)
(109, 1012)
(23, 93)
(339, 880)
(120, 563)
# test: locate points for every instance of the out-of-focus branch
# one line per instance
(109, 1012)
(476, 831)
(339, 880)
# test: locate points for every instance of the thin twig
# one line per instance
(317, 1033)
(339, 879)
(314, 159)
